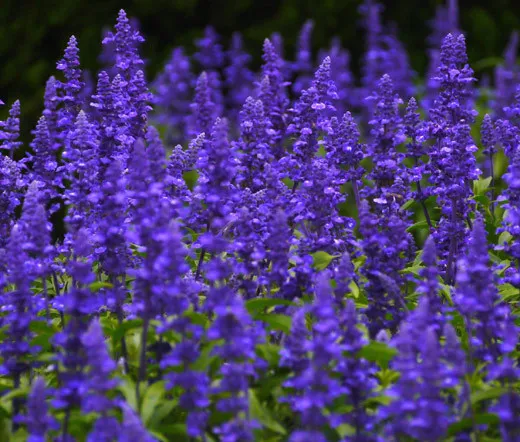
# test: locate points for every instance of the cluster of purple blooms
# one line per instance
(283, 255)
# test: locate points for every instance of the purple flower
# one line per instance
(506, 77)
(210, 54)
(80, 168)
(419, 409)
(203, 108)
(389, 173)
(386, 243)
(44, 161)
(71, 88)
(38, 419)
(172, 98)
(452, 163)
(125, 41)
(10, 130)
(303, 65)
(238, 78)
(132, 429)
(239, 335)
(273, 95)
(20, 307)
(98, 374)
(254, 142)
(511, 221)
(310, 114)
(342, 76)
(489, 323)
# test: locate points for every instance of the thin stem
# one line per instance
(357, 198)
(66, 424)
(142, 357)
(451, 256)
(16, 401)
(421, 201)
(57, 291)
(46, 297)
(492, 175)
(423, 205)
(199, 264)
(124, 349)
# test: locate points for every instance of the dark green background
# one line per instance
(34, 34)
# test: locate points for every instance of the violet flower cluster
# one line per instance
(292, 254)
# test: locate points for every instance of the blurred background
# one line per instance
(34, 34)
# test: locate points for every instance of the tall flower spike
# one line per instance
(386, 246)
(345, 151)
(203, 109)
(71, 87)
(234, 327)
(419, 410)
(110, 231)
(303, 65)
(511, 222)
(12, 185)
(140, 98)
(310, 113)
(21, 309)
(215, 186)
(172, 96)
(37, 231)
(342, 76)
(80, 169)
(389, 173)
(44, 162)
(10, 130)
(272, 92)
(133, 429)
(126, 41)
(238, 77)
(452, 162)
(210, 54)
(429, 285)
(38, 419)
(50, 110)
(357, 375)
(507, 75)
(315, 388)
(99, 371)
(156, 154)
(254, 144)
(489, 323)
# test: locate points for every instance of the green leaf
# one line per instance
(467, 423)
(159, 436)
(276, 322)
(407, 205)
(256, 305)
(161, 411)
(122, 329)
(263, 415)
(205, 358)
(320, 260)
(153, 395)
(417, 225)
(481, 186)
(127, 389)
(484, 395)
(378, 352)
(504, 237)
(98, 285)
(269, 352)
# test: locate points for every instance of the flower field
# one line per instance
(291, 253)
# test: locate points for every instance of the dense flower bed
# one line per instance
(283, 255)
